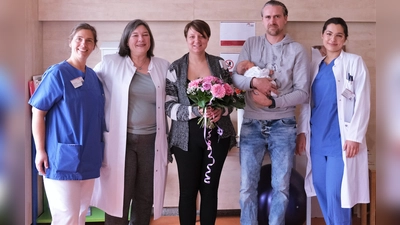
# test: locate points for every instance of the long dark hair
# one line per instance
(130, 27)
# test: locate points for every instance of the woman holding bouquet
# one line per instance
(187, 138)
(332, 127)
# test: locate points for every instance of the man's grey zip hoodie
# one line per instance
(292, 64)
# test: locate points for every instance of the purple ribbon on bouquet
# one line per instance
(207, 136)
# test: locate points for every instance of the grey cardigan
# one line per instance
(178, 107)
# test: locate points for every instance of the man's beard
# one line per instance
(274, 31)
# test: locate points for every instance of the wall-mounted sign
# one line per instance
(230, 60)
(235, 34)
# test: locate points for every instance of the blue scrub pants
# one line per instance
(327, 174)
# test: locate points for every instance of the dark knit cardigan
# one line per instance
(179, 132)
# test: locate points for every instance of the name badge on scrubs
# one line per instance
(77, 82)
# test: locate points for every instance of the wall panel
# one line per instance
(156, 10)
(121, 10)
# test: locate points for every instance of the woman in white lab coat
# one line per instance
(136, 152)
(333, 125)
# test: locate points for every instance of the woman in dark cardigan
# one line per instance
(186, 137)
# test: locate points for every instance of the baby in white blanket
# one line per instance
(249, 69)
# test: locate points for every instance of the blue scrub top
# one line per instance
(325, 131)
(74, 122)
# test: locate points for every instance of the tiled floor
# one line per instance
(222, 220)
(226, 220)
(174, 220)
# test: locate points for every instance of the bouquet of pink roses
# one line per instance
(213, 91)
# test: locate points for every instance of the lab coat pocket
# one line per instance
(346, 126)
(348, 109)
(106, 137)
(349, 99)
(67, 159)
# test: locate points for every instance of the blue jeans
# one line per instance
(278, 137)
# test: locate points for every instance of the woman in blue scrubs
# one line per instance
(335, 123)
(67, 126)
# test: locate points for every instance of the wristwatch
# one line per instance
(251, 83)
(272, 106)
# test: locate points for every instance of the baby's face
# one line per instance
(244, 66)
(248, 65)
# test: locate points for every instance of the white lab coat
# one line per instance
(353, 121)
(116, 73)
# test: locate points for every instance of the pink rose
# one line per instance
(208, 79)
(218, 91)
(228, 89)
(207, 85)
(194, 83)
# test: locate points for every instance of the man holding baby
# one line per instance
(269, 124)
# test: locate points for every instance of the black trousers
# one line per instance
(138, 186)
(192, 167)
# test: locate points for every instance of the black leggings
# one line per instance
(192, 166)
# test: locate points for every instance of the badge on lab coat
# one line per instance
(350, 99)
